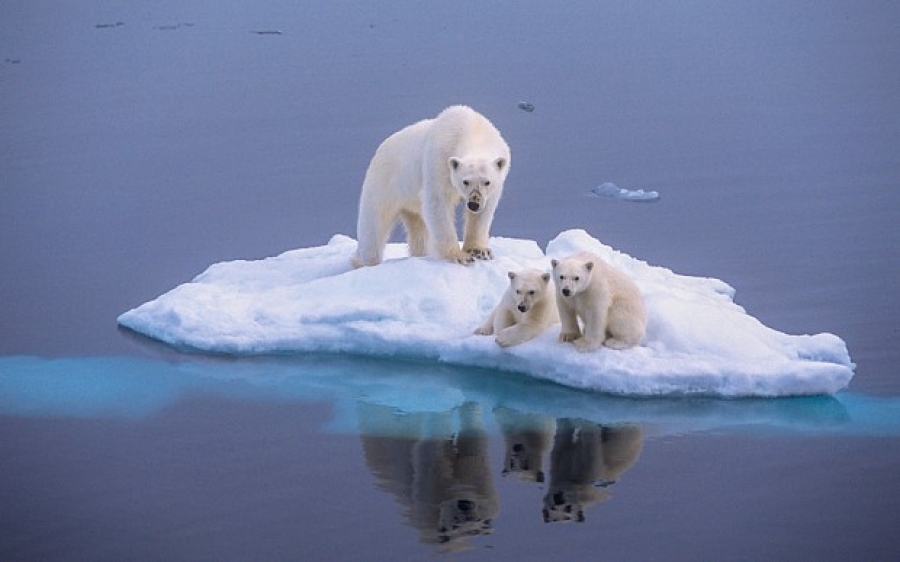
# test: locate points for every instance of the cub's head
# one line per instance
(478, 179)
(572, 275)
(529, 286)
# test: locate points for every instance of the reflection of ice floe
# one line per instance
(699, 342)
(613, 191)
(136, 388)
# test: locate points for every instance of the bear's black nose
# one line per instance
(523, 308)
(474, 206)
(465, 505)
(566, 292)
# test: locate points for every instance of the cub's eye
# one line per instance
(518, 292)
(575, 278)
(466, 183)
(561, 277)
(487, 183)
(530, 292)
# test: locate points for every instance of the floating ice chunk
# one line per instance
(698, 341)
(526, 106)
(613, 191)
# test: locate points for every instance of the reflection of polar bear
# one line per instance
(441, 477)
(608, 303)
(586, 459)
(527, 308)
(527, 438)
(420, 174)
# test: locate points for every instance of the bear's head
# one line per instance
(572, 275)
(530, 286)
(478, 180)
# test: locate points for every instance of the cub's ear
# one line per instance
(453, 162)
(500, 163)
(512, 275)
(554, 263)
(589, 265)
(546, 277)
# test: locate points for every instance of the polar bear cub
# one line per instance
(607, 302)
(527, 308)
(420, 174)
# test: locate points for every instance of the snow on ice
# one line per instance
(698, 342)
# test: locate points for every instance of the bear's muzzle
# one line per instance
(476, 202)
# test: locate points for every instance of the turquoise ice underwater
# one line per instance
(698, 342)
(134, 388)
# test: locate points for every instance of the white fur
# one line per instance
(607, 302)
(527, 308)
(420, 174)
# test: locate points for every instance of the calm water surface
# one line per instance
(133, 156)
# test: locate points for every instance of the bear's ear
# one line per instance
(589, 265)
(554, 263)
(500, 163)
(546, 277)
(453, 162)
(512, 275)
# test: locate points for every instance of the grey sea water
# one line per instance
(139, 143)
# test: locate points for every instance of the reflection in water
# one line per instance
(526, 439)
(437, 467)
(586, 460)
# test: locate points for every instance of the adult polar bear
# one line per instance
(420, 174)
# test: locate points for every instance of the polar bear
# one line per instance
(527, 308)
(420, 174)
(608, 303)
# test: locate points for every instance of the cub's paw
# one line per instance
(585, 345)
(506, 339)
(483, 331)
(614, 343)
(565, 337)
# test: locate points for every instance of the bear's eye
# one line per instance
(518, 292)
(575, 278)
(561, 277)
(530, 292)
(487, 183)
(466, 183)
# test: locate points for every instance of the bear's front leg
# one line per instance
(477, 230)
(594, 330)
(487, 327)
(520, 333)
(569, 321)
(438, 213)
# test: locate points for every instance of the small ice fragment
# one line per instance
(526, 106)
(613, 191)
(267, 32)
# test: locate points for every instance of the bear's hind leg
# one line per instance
(372, 232)
(626, 326)
(416, 233)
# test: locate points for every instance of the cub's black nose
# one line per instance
(566, 292)
(473, 206)
(522, 308)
